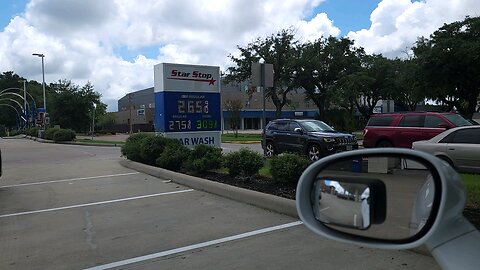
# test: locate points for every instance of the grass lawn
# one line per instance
(242, 137)
(99, 141)
(472, 184)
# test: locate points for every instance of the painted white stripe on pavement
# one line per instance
(69, 180)
(192, 247)
(94, 203)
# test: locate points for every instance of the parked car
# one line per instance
(460, 147)
(310, 137)
(402, 129)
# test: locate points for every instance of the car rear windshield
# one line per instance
(380, 121)
(313, 126)
(457, 120)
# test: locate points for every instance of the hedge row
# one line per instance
(59, 134)
(172, 155)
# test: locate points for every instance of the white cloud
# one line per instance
(81, 39)
(396, 24)
(320, 26)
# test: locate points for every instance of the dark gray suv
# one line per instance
(310, 137)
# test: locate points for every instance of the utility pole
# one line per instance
(130, 108)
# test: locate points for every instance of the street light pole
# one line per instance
(43, 84)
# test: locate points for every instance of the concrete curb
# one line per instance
(262, 200)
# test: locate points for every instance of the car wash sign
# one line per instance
(187, 103)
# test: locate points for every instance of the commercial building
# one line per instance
(136, 112)
(137, 109)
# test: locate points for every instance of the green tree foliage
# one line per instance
(105, 122)
(282, 51)
(409, 85)
(450, 64)
(323, 62)
(373, 81)
(72, 106)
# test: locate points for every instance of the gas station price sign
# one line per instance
(188, 103)
(188, 111)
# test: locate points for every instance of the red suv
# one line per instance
(402, 129)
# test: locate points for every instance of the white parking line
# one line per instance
(195, 246)
(69, 180)
(94, 203)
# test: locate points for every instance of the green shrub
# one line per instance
(131, 148)
(32, 132)
(50, 132)
(288, 167)
(64, 135)
(204, 158)
(245, 163)
(174, 156)
(151, 147)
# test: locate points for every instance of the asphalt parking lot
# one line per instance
(75, 207)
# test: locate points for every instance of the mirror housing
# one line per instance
(298, 130)
(444, 223)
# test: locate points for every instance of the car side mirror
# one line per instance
(389, 198)
(298, 130)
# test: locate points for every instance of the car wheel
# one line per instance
(314, 153)
(269, 150)
(384, 144)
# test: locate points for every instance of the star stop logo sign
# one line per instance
(195, 76)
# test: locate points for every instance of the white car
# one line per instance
(460, 147)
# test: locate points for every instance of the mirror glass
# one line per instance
(377, 197)
(343, 203)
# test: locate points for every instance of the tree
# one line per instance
(106, 121)
(234, 107)
(449, 62)
(409, 86)
(72, 106)
(281, 50)
(323, 63)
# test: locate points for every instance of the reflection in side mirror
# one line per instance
(376, 197)
(349, 202)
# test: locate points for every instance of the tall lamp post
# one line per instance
(43, 85)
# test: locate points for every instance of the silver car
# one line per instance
(460, 147)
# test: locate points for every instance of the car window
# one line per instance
(315, 126)
(282, 125)
(412, 121)
(457, 120)
(448, 138)
(432, 121)
(380, 121)
(293, 126)
(272, 126)
(471, 135)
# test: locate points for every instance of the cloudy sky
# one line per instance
(115, 43)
